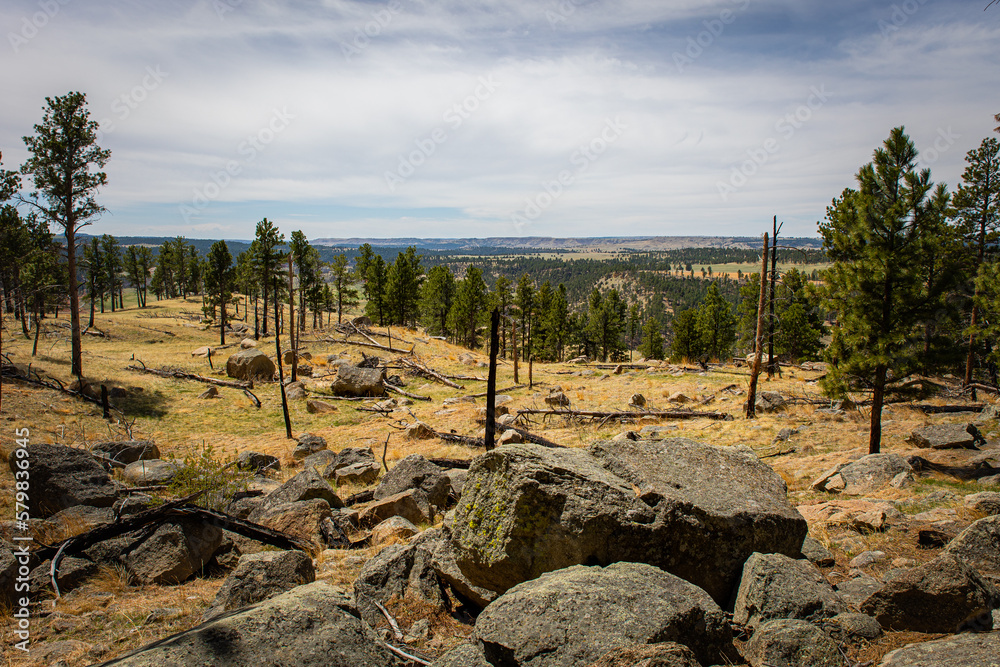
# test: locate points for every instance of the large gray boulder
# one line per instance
(979, 546)
(127, 451)
(964, 650)
(303, 518)
(666, 654)
(416, 472)
(792, 643)
(576, 615)
(866, 475)
(463, 655)
(174, 552)
(402, 572)
(355, 381)
(942, 595)
(62, 477)
(259, 577)
(776, 586)
(314, 625)
(307, 485)
(691, 509)
(944, 436)
(153, 471)
(250, 365)
(987, 502)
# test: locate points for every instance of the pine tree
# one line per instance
(687, 341)
(524, 302)
(267, 259)
(469, 310)
(651, 346)
(502, 297)
(876, 237)
(219, 278)
(716, 324)
(112, 266)
(437, 295)
(94, 272)
(343, 285)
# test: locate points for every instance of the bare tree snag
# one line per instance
(491, 383)
(281, 373)
(758, 342)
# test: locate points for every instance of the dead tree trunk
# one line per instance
(491, 382)
(281, 373)
(758, 341)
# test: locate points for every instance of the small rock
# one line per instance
(151, 472)
(393, 528)
(944, 436)
(308, 444)
(257, 462)
(637, 401)
(866, 558)
(419, 431)
(319, 407)
(792, 643)
(987, 502)
(211, 392)
(816, 553)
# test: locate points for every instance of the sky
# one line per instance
(481, 118)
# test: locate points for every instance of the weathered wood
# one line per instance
(183, 375)
(416, 397)
(597, 414)
(983, 387)
(252, 397)
(364, 344)
(499, 391)
(947, 409)
(430, 373)
(758, 338)
(491, 384)
(360, 497)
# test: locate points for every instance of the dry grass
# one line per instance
(114, 613)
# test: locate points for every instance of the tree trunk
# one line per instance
(770, 316)
(758, 338)
(281, 373)
(74, 302)
(878, 399)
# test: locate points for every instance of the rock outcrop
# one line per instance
(62, 477)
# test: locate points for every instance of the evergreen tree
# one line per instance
(977, 208)
(876, 237)
(651, 346)
(524, 303)
(343, 285)
(111, 254)
(403, 288)
(437, 295)
(94, 272)
(137, 262)
(267, 260)
(634, 330)
(557, 324)
(716, 325)
(687, 341)
(64, 160)
(219, 278)
(469, 309)
(502, 297)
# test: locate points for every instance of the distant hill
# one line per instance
(608, 243)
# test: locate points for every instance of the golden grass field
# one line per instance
(108, 616)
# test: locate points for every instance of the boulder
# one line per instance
(692, 509)
(302, 519)
(400, 572)
(250, 365)
(857, 589)
(154, 471)
(866, 559)
(319, 407)
(979, 546)
(851, 625)
(412, 505)
(866, 475)
(816, 553)
(557, 399)
(987, 502)
(203, 351)
(416, 472)
(457, 477)
(295, 391)
(127, 451)
(637, 401)
(394, 528)
(360, 473)
(308, 444)
(964, 650)
(792, 643)
(175, 551)
(944, 436)
(463, 655)
(259, 577)
(73, 572)
(510, 437)
(419, 431)
(776, 586)
(355, 381)
(942, 595)
(349, 456)
(306, 485)
(257, 462)
(576, 615)
(247, 344)
(864, 516)
(666, 654)
(769, 401)
(211, 392)
(62, 477)
(314, 625)
(72, 521)
(320, 460)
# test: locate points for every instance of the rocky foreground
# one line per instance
(653, 552)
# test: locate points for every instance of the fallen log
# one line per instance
(363, 344)
(424, 371)
(451, 463)
(983, 387)
(597, 414)
(182, 375)
(947, 409)
(416, 397)
(11, 372)
(499, 391)
(176, 508)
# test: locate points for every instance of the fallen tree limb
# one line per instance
(983, 387)
(182, 375)
(596, 414)
(396, 389)
(252, 397)
(430, 373)
(499, 391)
(55, 385)
(179, 508)
(946, 409)
(372, 345)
